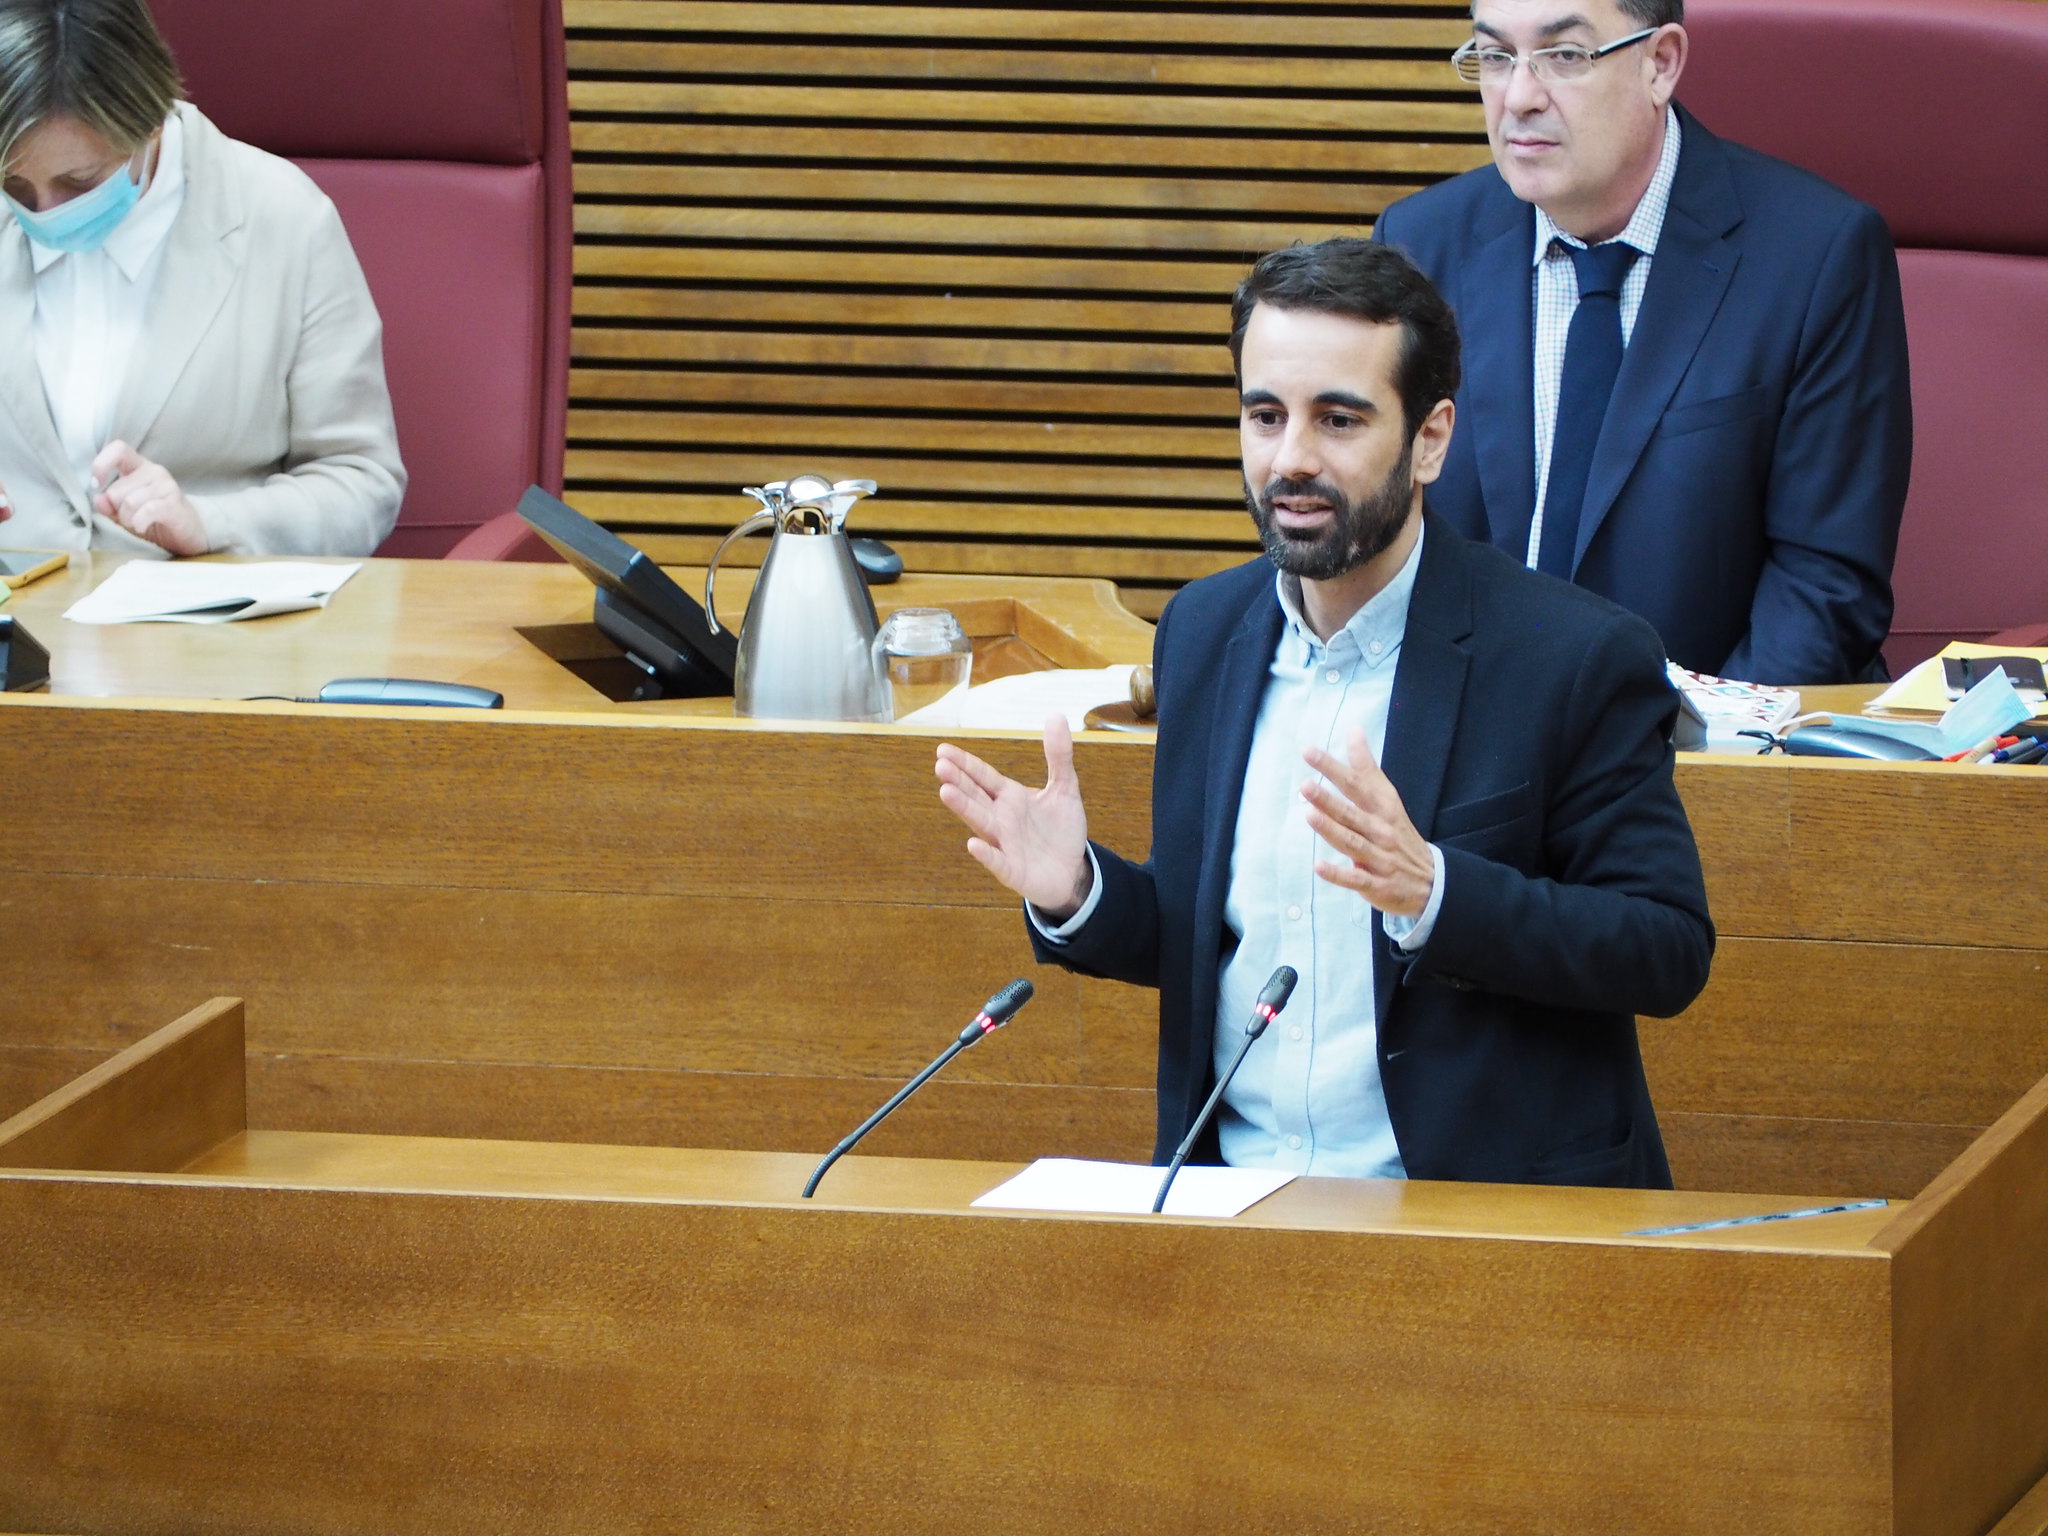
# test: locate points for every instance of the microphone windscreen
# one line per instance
(1279, 987)
(1003, 1007)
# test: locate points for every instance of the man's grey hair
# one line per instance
(102, 62)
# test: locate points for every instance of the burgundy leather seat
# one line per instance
(1936, 115)
(441, 130)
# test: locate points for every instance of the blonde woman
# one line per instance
(190, 360)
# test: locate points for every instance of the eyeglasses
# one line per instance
(1483, 63)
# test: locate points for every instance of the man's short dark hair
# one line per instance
(1654, 13)
(1361, 280)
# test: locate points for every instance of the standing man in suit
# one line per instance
(1487, 872)
(1685, 372)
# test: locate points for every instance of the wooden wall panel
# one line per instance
(979, 254)
(587, 930)
(952, 1117)
(1937, 1035)
(27, 1073)
(152, 1108)
(705, 985)
(2029, 1517)
(1826, 1160)
(720, 808)
(1970, 1331)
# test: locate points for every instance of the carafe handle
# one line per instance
(754, 524)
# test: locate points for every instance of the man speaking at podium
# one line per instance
(1436, 783)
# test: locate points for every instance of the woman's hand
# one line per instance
(143, 498)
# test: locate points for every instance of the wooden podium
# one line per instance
(492, 939)
(579, 920)
(211, 1330)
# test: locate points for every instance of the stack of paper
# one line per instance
(178, 592)
(1922, 691)
(1070, 1184)
(1022, 702)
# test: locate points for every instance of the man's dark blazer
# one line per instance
(1746, 490)
(1529, 739)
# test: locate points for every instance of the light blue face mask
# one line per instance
(84, 223)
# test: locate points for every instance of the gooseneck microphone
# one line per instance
(995, 1013)
(1279, 987)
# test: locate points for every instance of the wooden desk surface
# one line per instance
(447, 1165)
(457, 621)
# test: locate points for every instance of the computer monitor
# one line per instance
(656, 623)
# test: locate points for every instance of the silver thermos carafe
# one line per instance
(807, 643)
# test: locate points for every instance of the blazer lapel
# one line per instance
(1429, 690)
(1497, 322)
(21, 377)
(1240, 688)
(199, 268)
(1689, 276)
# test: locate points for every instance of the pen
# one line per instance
(1749, 1221)
(2016, 747)
(1999, 744)
(1970, 754)
(2026, 755)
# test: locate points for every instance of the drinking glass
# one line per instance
(924, 656)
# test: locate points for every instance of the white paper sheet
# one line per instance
(1906, 686)
(1022, 701)
(1069, 1184)
(199, 592)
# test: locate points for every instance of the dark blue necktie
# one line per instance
(1592, 357)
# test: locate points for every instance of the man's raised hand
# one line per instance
(1358, 812)
(1033, 840)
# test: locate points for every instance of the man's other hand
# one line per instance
(1033, 840)
(143, 497)
(6, 506)
(1356, 810)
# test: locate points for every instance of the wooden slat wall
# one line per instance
(980, 254)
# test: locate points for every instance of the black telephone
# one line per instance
(24, 664)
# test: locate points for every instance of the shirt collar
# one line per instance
(1384, 618)
(136, 239)
(1647, 222)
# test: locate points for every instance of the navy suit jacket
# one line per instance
(1529, 739)
(1746, 490)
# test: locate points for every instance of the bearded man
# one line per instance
(1435, 782)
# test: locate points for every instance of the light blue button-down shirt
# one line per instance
(1308, 1097)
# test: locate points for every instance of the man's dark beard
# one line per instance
(1357, 531)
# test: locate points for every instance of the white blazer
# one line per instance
(258, 382)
